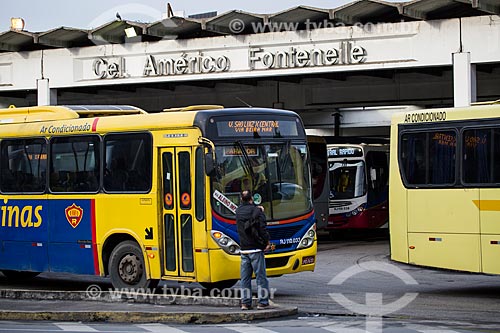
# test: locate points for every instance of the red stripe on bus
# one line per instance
(94, 237)
(223, 219)
(303, 217)
(94, 124)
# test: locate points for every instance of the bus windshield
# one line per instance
(347, 179)
(277, 174)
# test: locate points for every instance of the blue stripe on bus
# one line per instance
(47, 236)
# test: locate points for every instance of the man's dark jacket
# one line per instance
(248, 238)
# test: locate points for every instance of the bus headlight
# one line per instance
(308, 239)
(225, 242)
(356, 211)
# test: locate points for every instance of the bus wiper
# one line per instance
(247, 164)
(282, 161)
(287, 157)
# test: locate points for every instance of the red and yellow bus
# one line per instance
(359, 179)
(141, 197)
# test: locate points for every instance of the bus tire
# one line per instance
(19, 275)
(126, 267)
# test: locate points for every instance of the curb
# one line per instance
(118, 297)
(147, 317)
(184, 316)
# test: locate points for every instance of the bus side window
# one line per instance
(24, 165)
(73, 164)
(128, 162)
(378, 170)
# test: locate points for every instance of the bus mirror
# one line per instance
(209, 164)
(373, 174)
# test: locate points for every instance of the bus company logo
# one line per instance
(74, 215)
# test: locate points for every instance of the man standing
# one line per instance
(254, 241)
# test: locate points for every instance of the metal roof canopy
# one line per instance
(234, 22)
(488, 6)
(16, 41)
(441, 9)
(362, 11)
(114, 32)
(173, 27)
(301, 14)
(65, 37)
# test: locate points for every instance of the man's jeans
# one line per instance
(254, 262)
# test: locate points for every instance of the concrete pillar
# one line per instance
(45, 95)
(464, 80)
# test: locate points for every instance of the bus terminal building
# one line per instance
(345, 70)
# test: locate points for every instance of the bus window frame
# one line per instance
(104, 156)
(98, 166)
(469, 127)
(428, 130)
(459, 127)
(47, 151)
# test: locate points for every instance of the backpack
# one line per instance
(251, 228)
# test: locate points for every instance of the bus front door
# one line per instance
(177, 214)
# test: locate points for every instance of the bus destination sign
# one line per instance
(345, 152)
(257, 128)
(236, 151)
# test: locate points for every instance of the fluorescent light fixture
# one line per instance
(130, 32)
(16, 23)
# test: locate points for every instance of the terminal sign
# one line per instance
(346, 54)
(259, 58)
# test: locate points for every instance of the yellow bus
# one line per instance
(141, 197)
(445, 188)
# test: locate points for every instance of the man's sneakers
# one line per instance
(245, 307)
(262, 306)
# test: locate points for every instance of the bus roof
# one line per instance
(487, 110)
(81, 119)
(355, 140)
(194, 108)
(14, 115)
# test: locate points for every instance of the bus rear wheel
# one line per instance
(127, 269)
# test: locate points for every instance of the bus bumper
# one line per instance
(291, 262)
(227, 267)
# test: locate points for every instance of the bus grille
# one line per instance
(283, 232)
(276, 262)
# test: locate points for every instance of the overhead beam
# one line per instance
(54, 42)
(9, 47)
(487, 6)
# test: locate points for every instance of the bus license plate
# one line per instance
(308, 260)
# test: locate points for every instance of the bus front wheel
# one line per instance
(126, 267)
